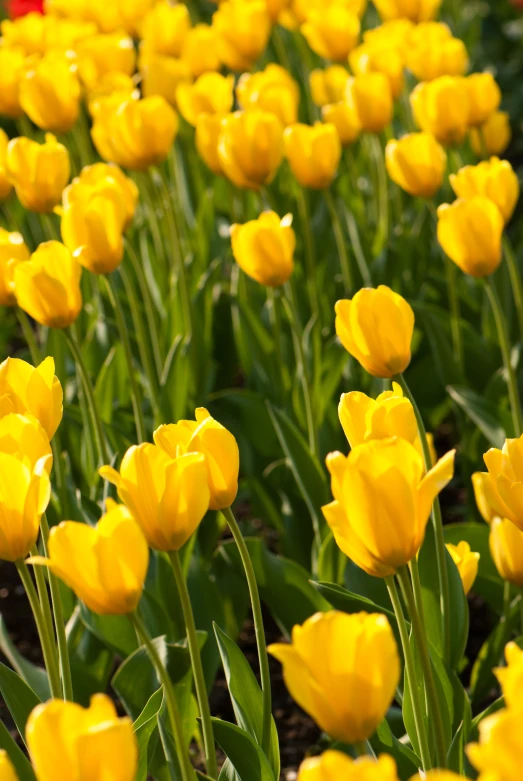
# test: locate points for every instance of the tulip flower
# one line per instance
(416, 163)
(345, 120)
(68, 741)
(372, 525)
(483, 488)
(313, 154)
(395, 33)
(162, 75)
(211, 93)
(493, 137)
(7, 771)
(328, 85)
(50, 93)
(511, 677)
(484, 97)
(415, 10)
(27, 390)
(5, 184)
(494, 179)
(441, 107)
(506, 549)
(200, 50)
(132, 13)
(165, 29)
(242, 32)
(250, 147)
(332, 32)
(502, 484)
(39, 172)
(369, 58)
(47, 286)
(101, 54)
(466, 561)
(470, 234)
(376, 328)
(437, 775)
(334, 766)
(167, 495)
(208, 130)
(103, 177)
(342, 670)
(273, 90)
(431, 56)
(28, 33)
(13, 250)
(369, 94)
(12, 64)
(111, 91)
(22, 436)
(497, 754)
(264, 248)
(208, 437)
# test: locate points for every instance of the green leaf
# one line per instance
(246, 756)
(483, 413)
(18, 697)
(488, 583)
(35, 677)
(20, 762)
(114, 631)
(383, 741)
(91, 660)
(144, 726)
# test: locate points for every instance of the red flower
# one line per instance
(18, 8)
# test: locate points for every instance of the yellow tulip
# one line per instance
(466, 561)
(104, 177)
(50, 93)
(493, 137)
(415, 10)
(313, 153)
(25, 389)
(328, 85)
(376, 328)
(105, 53)
(7, 771)
(369, 94)
(242, 31)
(334, 766)
(12, 65)
(498, 753)
(430, 57)
(112, 90)
(511, 677)
(382, 502)
(5, 184)
(273, 90)
(200, 50)
(47, 286)
(369, 58)
(483, 487)
(394, 34)
(470, 234)
(162, 75)
(39, 172)
(441, 107)
(484, 97)
(165, 28)
(13, 250)
(167, 495)
(275, 8)
(503, 486)
(506, 549)
(299, 10)
(264, 248)
(344, 119)
(342, 670)
(416, 163)
(494, 179)
(250, 148)
(22, 436)
(211, 93)
(438, 775)
(208, 130)
(332, 32)
(67, 741)
(207, 437)
(27, 32)
(132, 14)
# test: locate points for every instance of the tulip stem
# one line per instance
(515, 279)
(199, 678)
(28, 336)
(457, 341)
(175, 718)
(309, 250)
(340, 243)
(273, 297)
(382, 228)
(263, 659)
(410, 674)
(504, 344)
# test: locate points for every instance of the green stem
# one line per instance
(521, 612)
(144, 183)
(515, 279)
(28, 336)
(382, 232)
(199, 678)
(50, 229)
(360, 747)
(416, 584)
(273, 297)
(308, 240)
(340, 243)
(263, 659)
(455, 315)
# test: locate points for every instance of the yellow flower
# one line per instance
(273, 90)
(394, 34)
(162, 75)
(47, 286)
(438, 775)
(105, 53)
(373, 58)
(23, 437)
(242, 31)
(208, 437)
(112, 90)
(415, 10)
(466, 562)
(12, 64)
(497, 756)
(328, 85)
(313, 153)
(432, 54)
(483, 487)
(264, 248)
(484, 97)
(344, 119)
(165, 28)
(208, 129)
(104, 177)
(334, 766)
(506, 549)
(5, 184)
(25, 389)
(376, 328)
(332, 32)
(493, 137)
(211, 93)
(67, 741)
(27, 32)
(200, 50)
(494, 179)
(132, 13)
(505, 478)
(382, 502)
(416, 163)
(369, 94)
(250, 147)
(276, 7)
(50, 93)
(470, 234)
(342, 670)
(7, 771)
(39, 172)
(511, 677)
(299, 10)
(13, 250)
(441, 107)
(168, 496)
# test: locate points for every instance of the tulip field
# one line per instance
(261, 422)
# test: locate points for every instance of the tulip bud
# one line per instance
(165, 28)
(493, 137)
(376, 328)
(415, 10)
(484, 97)
(250, 148)
(441, 107)
(466, 562)
(211, 93)
(334, 766)
(332, 32)
(50, 93)
(31, 391)
(39, 172)
(162, 75)
(502, 484)
(103, 177)
(5, 184)
(370, 96)
(7, 771)
(87, 743)
(264, 248)
(494, 179)
(416, 163)
(470, 234)
(348, 692)
(200, 50)
(105, 53)
(328, 85)
(12, 64)
(344, 119)
(273, 90)
(313, 154)
(13, 250)
(434, 54)
(497, 755)
(47, 286)
(368, 58)
(511, 677)
(208, 129)
(242, 31)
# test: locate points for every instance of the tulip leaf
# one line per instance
(482, 678)
(91, 660)
(383, 741)
(144, 726)
(18, 697)
(245, 754)
(228, 773)
(35, 677)
(483, 413)
(115, 631)
(20, 762)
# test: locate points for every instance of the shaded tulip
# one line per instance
(276, 7)
(105, 177)
(25, 389)
(211, 93)
(382, 502)
(334, 766)
(332, 32)
(313, 153)
(368, 58)
(466, 561)
(494, 179)
(24, 496)
(493, 137)
(511, 677)
(342, 670)
(441, 107)
(370, 96)
(13, 250)
(167, 495)
(47, 286)
(50, 93)
(273, 90)
(87, 744)
(506, 549)
(344, 119)
(207, 437)
(39, 172)
(162, 75)
(415, 10)
(416, 163)
(430, 58)
(23, 437)
(497, 755)
(483, 488)
(376, 328)
(5, 184)
(484, 97)
(7, 771)
(12, 65)
(264, 248)
(250, 148)
(112, 90)
(208, 129)
(200, 50)
(242, 31)
(503, 487)
(165, 28)
(104, 565)
(328, 85)
(470, 234)
(105, 53)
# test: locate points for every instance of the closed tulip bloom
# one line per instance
(376, 328)
(47, 286)
(200, 50)
(370, 96)
(497, 755)
(208, 437)
(13, 250)
(5, 184)
(208, 130)
(484, 97)
(165, 28)
(344, 119)
(342, 670)
(27, 32)
(416, 163)
(27, 390)
(7, 771)
(273, 90)
(470, 234)
(506, 549)
(22, 436)
(168, 496)
(483, 488)
(332, 32)
(493, 137)
(441, 107)
(428, 59)
(12, 65)
(162, 75)
(466, 561)
(415, 10)
(112, 90)
(334, 766)
(211, 93)
(313, 153)
(105, 53)
(132, 13)
(24, 496)
(264, 248)
(50, 93)
(368, 58)
(494, 179)
(242, 31)
(395, 34)
(87, 744)
(250, 148)
(39, 172)
(105, 177)
(511, 677)
(505, 478)
(328, 85)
